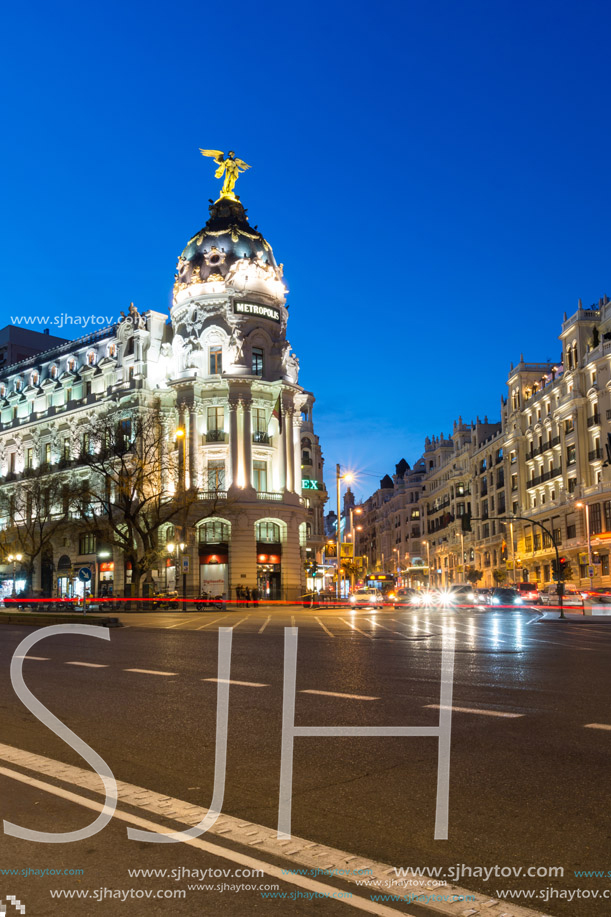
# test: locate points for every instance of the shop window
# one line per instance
(604, 564)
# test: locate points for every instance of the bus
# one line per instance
(385, 582)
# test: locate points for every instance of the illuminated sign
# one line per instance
(251, 308)
(309, 484)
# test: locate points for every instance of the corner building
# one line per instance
(223, 374)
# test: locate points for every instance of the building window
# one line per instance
(569, 425)
(91, 358)
(112, 350)
(571, 530)
(259, 420)
(68, 394)
(216, 360)
(214, 532)
(268, 531)
(86, 544)
(29, 458)
(46, 453)
(216, 475)
(571, 455)
(11, 461)
(595, 519)
(259, 476)
(607, 512)
(71, 364)
(257, 361)
(572, 485)
(66, 449)
(216, 420)
(604, 564)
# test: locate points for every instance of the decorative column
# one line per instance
(247, 441)
(281, 457)
(233, 440)
(296, 437)
(289, 450)
(193, 451)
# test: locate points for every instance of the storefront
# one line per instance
(214, 572)
(106, 576)
(64, 577)
(269, 570)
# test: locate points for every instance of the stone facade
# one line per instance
(223, 378)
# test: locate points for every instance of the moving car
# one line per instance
(406, 597)
(458, 594)
(529, 592)
(506, 596)
(549, 595)
(367, 597)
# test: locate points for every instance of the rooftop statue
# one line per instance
(230, 167)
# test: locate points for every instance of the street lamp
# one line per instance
(14, 559)
(586, 507)
(180, 438)
(347, 476)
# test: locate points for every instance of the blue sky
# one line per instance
(435, 178)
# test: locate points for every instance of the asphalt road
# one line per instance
(528, 777)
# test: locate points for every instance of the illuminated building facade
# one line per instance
(224, 380)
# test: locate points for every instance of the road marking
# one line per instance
(240, 621)
(89, 665)
(354, 627)
(326, 629)
(301, 852)
(170, 626)
(230, 681)
(150, 672)
(263, 626)
(211, 622)
(390, 631)
(37, 658)
(337, 694)
(475, 710)
(596, 726)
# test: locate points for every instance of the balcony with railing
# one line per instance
(260, 436)
(593, 421)
(216, 436)
(212, 495)
(594, 454)
(270, 497)
(544, 476)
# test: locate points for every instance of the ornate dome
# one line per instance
(228, 253)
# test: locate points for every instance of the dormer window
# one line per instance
(2, 390)
(91, 358)
(53, 372)
(34, 379)
(71, 364)
(112, 350)
(17, 385)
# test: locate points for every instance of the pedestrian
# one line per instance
(256, 595)
(247, 596)
(239, 592)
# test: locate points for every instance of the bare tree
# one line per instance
(135, 486)
(33, 511)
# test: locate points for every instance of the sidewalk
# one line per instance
(587, 618)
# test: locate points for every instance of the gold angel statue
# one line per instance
(230, 166)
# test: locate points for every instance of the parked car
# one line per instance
(371, 597)
(571, 596)
(505, 596)
(529, 592)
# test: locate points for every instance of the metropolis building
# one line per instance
(225, 381)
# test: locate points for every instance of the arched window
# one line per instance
(71, 364)
(91, 358)
(53, 372)
(34, 377)
(214, 531)
(268, 531)
(112, 350)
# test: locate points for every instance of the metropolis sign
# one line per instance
(251, 308)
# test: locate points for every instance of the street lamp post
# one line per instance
(339, 477)
(14, 559)
(586, 507)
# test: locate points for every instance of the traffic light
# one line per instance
(559, 567)
(465, 522)
(313, 568)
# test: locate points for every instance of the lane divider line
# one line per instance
(354, 627)
(304, 852)
(338, 694)
(263, 626)
(37, 658)
(475, 710)
(230, 681)
(326, 629)
(89, 665)
(150, 672)
(596, 726)
(211, 622)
